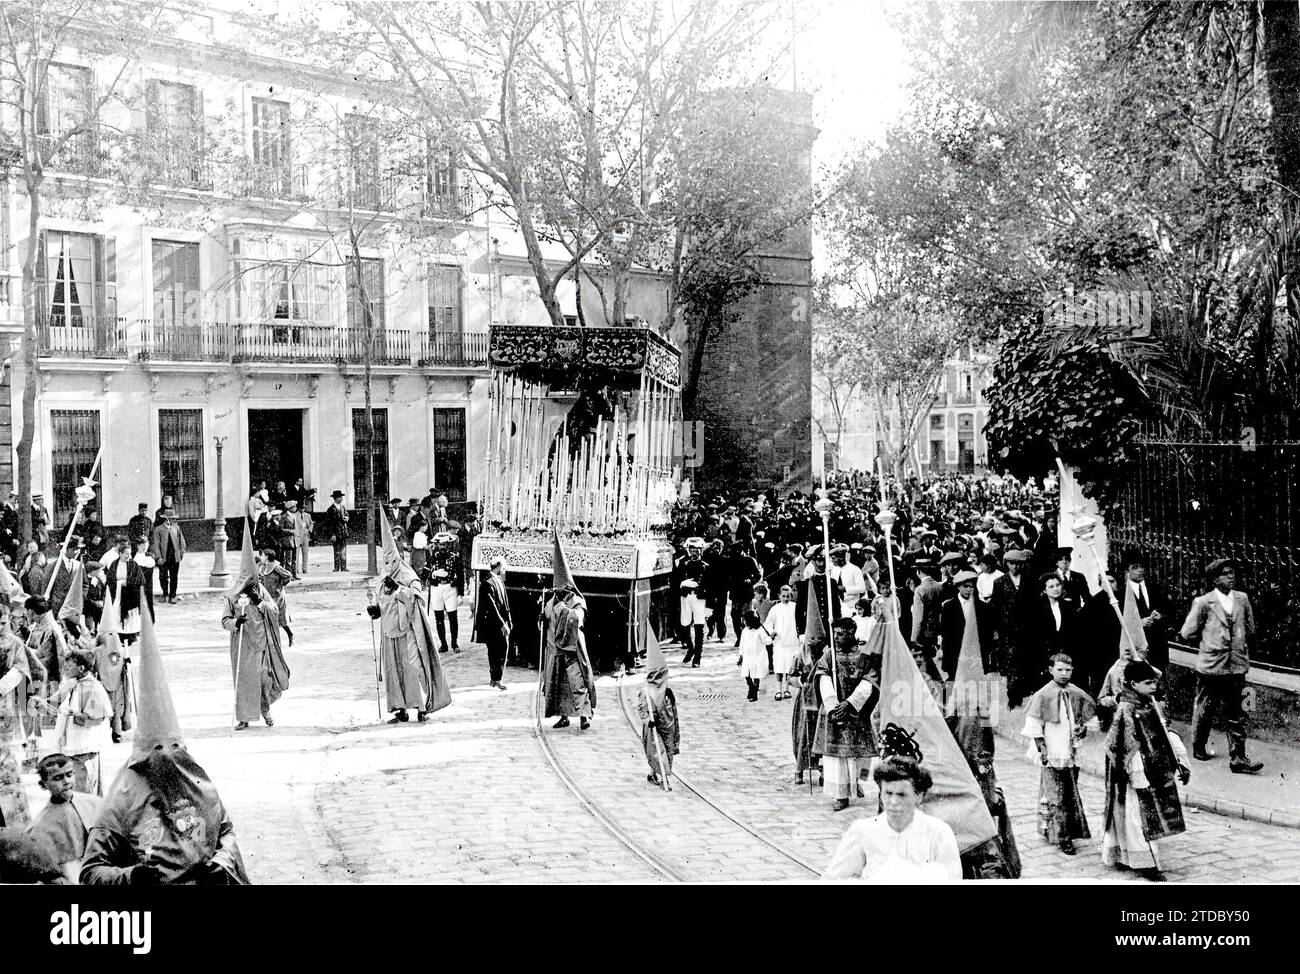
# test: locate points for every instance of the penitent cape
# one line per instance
(403, 574)
(135, 825)
(905, 700)
(555, 680)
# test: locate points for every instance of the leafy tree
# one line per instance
(33, 34)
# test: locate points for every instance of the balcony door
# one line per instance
(176, 296)
(78, 293)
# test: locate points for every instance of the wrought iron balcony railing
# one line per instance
(81, 336)
(453, 348)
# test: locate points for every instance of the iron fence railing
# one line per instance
(1186, 499)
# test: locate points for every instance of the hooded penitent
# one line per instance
(558, 682)
(402, 573)
(907, 702)
(75, 600)
(394, 568)
(162, 809)
(662, 705)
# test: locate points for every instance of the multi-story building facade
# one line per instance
(252, 243)
(951, 437)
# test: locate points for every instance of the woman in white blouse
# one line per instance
(902, 844)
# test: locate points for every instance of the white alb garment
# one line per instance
(924, 852)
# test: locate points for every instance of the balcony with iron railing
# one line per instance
(81, 336)
(277, 340)
(282, 181)
(463, 349)
(177, 160)
(370, 191)
(80, 153)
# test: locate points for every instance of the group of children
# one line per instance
(1144, 760)
(769, 642)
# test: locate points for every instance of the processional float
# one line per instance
(582, 427)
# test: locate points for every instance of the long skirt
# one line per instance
(1060, 806)
(405, 681)
(803, 726)
(841, 776)
(1124, 843)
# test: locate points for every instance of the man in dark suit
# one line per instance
(493, 623)
(167, 548)
(335, 525)
(139, 526)
(952, 626)
(1074, 586)
(926, 606)
(1153, 608)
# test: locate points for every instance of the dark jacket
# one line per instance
(1047, 637)
(335, 524)
(493, 618)
(1158, 632)
(952, 626)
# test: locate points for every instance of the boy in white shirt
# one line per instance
(1054, 722)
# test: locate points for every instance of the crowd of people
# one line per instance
(971, 582)
(984, 595)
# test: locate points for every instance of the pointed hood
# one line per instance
(10, 585)
(814, 628)
(656, 671)
(394, 568)
(907, 703)
(75, 600)
(1133, 626)
(109, 646)
(561, 577)
(247, 562)
(156, 722)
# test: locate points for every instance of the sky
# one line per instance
(856, 67)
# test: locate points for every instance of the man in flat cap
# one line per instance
(1221, 621)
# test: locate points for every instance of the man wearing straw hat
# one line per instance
(162, 821)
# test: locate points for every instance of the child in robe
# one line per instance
(761, 603)
(1144, 763)
(803, 720)
(660, 732)
(83, 719)
(780, 622)
(1054, 723)
(753, 652)
(63, 825)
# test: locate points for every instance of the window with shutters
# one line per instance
(174, 120)
(449, 452)
(176, 295)
(271, 145)
(74, 436)
(371, 296)
(180, 459)
(362, 147)
(440, 183)
(78, 293)
(379, 452)
(65, 119)
(444, 303)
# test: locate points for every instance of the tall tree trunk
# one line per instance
(1282, 67)
(31, 313)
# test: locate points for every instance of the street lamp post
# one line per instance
(824, 506)
(219, 575)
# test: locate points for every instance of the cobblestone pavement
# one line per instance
(329, 795)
